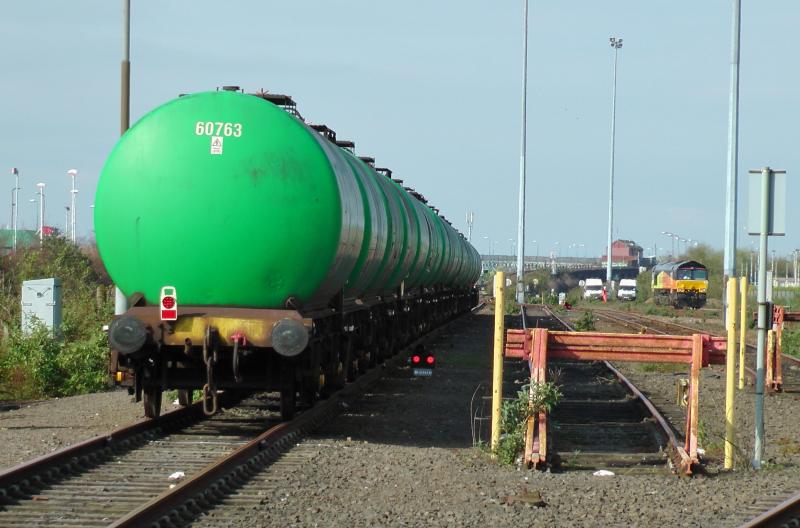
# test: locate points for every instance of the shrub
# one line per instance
(790, 343)
(586, 322)
(514, 416)
(37, 365)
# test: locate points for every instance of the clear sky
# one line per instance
(432, 91)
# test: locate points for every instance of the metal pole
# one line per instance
(730, 374)
(15, 205)
(616, 44)
(729, 258)
(120, 301)
(766, 176)
(742, 330)
(73, 173)
(523, 146)
(126, 67)
(497, 370)
(41, 212)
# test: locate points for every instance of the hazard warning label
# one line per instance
(216, 144)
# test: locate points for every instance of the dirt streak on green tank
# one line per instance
(227, 197)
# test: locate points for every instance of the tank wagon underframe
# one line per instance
(218, 348)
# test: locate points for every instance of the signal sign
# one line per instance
(169, 304)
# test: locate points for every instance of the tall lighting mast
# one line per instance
(523, 144)
(15, 205)
(616, 44)
(72, 173)
(729, 256)
(120, 301)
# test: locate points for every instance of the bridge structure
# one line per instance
(580, 268)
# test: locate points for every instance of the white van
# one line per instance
(627, 290)
(593, 289)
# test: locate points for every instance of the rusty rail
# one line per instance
(786, 513)
(17, 476)
(775, 357)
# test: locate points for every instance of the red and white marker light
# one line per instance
(169, 304)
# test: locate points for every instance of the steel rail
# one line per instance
(615, 315)
(19, 476)
(787, 513)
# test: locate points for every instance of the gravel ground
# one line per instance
(403, 456)
(39, 428)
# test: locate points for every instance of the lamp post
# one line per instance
(616, 44)
(15, 206)
(92, 208)
(729, 256)
(72, 173)
(35, 210)
(523, 146)
(40, 186)
(670, 235)
(120, 301)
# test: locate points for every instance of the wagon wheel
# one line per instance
(185, 397)
(152, 402)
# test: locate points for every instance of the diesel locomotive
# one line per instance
(679, 284)
(258, 252)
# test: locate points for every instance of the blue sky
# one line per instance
(432, 90)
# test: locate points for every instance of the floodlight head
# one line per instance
(72, 172)
(40, 185)
(14, 171)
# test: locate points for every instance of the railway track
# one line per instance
(767, 511)
(123, 478)
(603, 420)
(645, 324)
(784, 515)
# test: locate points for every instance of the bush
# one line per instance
(790, 343)
(585, 323)
(37, 365)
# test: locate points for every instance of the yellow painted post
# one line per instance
(497, 369)
(742, 329)
(730, 373)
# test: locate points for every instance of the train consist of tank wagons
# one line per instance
(259, 253)
(680, 284)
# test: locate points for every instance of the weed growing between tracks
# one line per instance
(514, 415)
(585, 323)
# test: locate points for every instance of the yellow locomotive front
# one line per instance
(680, 284)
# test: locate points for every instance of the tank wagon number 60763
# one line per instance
(217, 128)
